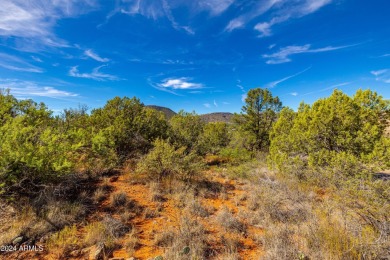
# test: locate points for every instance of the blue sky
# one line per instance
(199, 55)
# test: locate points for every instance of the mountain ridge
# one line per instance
(209, 117)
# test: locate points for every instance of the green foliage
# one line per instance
(187, 127)
(164, 161)
(214, 137)
(339, 130)
(130, 126)
(380, 154)
(31, 149)
(235, 156)
(258, 116)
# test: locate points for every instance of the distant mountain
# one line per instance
(169, 113)
(217, 117)
(211, 117)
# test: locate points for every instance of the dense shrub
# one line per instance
(214, 137)
(164, 160)
(331, 131)
(187, 127)
(129, 125)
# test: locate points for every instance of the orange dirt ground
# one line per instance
(170, 215)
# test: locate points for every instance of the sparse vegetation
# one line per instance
(125, 178)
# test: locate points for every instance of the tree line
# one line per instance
(37, 147)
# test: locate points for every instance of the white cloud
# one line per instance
(36, 19)
(17, 64)
(264, 28)
(94, 56)
(283, 55)
(279, 11)
(328, 88)
(277, 82)
(294, 94)
(214, 7)
(37, 59)
(156, 9)
(207, 105)
(95, 74)
(243, 97)
(28, 89)
(289, 10)
(180, 83)
(236, 23)
(215, 103)
(379, 72)
(171, 18)
(382, 75)
(256, 9)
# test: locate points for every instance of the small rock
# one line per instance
(86, 250)
(97, 252)
(17, 240)
(75, 253)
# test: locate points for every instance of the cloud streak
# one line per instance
(279, 11)
(17, 64)
(91, 54)
(283, 55)
(95, 74)
(36, 19)
(277, 82)
(328, 88)
(28, 89)
(382, 75)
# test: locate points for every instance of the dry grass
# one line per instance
(229, 222)
(99, 195)
(118, 199)
(187, 242)
(63, 241)
(131, 242)
(106, 231)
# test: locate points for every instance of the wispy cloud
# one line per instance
(207, 105)
(283, 55)
(37, 59)
(287, 10)
(277, 82)
(215, 103)
(279, 11)
(28, 89)
(382, 75)
(166, 8)
(328, 88)
(36, 19)
(172, 20)
(294, 94)
(17, 64)
(91, 54)
(95, 74)
(180, 83)
(250, 12)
